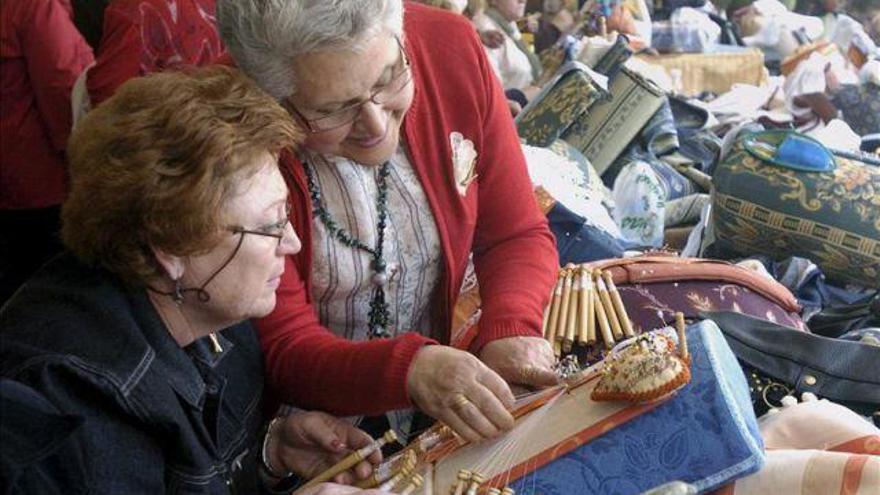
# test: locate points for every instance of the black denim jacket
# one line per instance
(156, 418)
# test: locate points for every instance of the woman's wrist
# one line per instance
(269, 452)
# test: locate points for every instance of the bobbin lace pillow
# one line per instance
(647, 370)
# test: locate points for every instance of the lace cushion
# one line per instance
(649, 369)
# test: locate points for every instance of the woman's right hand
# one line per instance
(454, 387)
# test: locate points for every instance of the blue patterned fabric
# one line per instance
(706, 435)
(579, 242)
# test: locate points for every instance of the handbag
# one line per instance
(656, 286)
(779, 361)
(777, 194)
(559, 104)
(603, 132)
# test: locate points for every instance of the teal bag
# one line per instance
(781, 194)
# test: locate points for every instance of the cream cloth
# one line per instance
(341, 275)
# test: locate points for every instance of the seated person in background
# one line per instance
(555, 21)
(177, 230)
(41, 55)
(514, 62)
(492, 38)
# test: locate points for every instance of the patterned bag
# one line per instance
(558, 105)
(603, 132)
(832, 217)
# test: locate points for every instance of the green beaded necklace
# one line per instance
(379, 313)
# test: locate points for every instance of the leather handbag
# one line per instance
(779, 361)
(656, 286)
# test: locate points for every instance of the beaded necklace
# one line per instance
(379, 313)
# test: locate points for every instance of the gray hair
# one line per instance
(265, 36)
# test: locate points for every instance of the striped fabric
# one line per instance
(341, 278)
(815, 448)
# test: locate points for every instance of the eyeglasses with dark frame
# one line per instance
(349, 114)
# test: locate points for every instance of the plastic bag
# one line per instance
(640, 204)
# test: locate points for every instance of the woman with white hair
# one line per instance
(411, 163)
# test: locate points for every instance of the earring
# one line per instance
(177, 295)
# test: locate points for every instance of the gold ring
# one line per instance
(461, 400)
(528, 373)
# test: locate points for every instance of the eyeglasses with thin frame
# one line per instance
(349, 114)
(275, 230)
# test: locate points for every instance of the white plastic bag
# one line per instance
(640, 204)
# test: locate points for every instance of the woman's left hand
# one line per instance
(525, 361)
(308, 443)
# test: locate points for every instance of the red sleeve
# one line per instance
(119, 56)
(56, 54)
(310, 367)
(514, 251)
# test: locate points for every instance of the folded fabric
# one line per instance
(577, 241)
(815, 448)
(569, 179)
(687, 30)
(860, 106)
(685, 210)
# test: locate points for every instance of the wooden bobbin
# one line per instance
(602, 320)
(464, 477)
(616, 329)
(619, 308)
(682, 337)
(555, 303)
(563, 308)
(414, 484)
(584, 295)
(591, 307)
(351, 460)
(574, 301)
(477, 479)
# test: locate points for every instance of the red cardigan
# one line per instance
(41, 55)
(497, 219)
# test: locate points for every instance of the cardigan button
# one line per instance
(810, 380)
